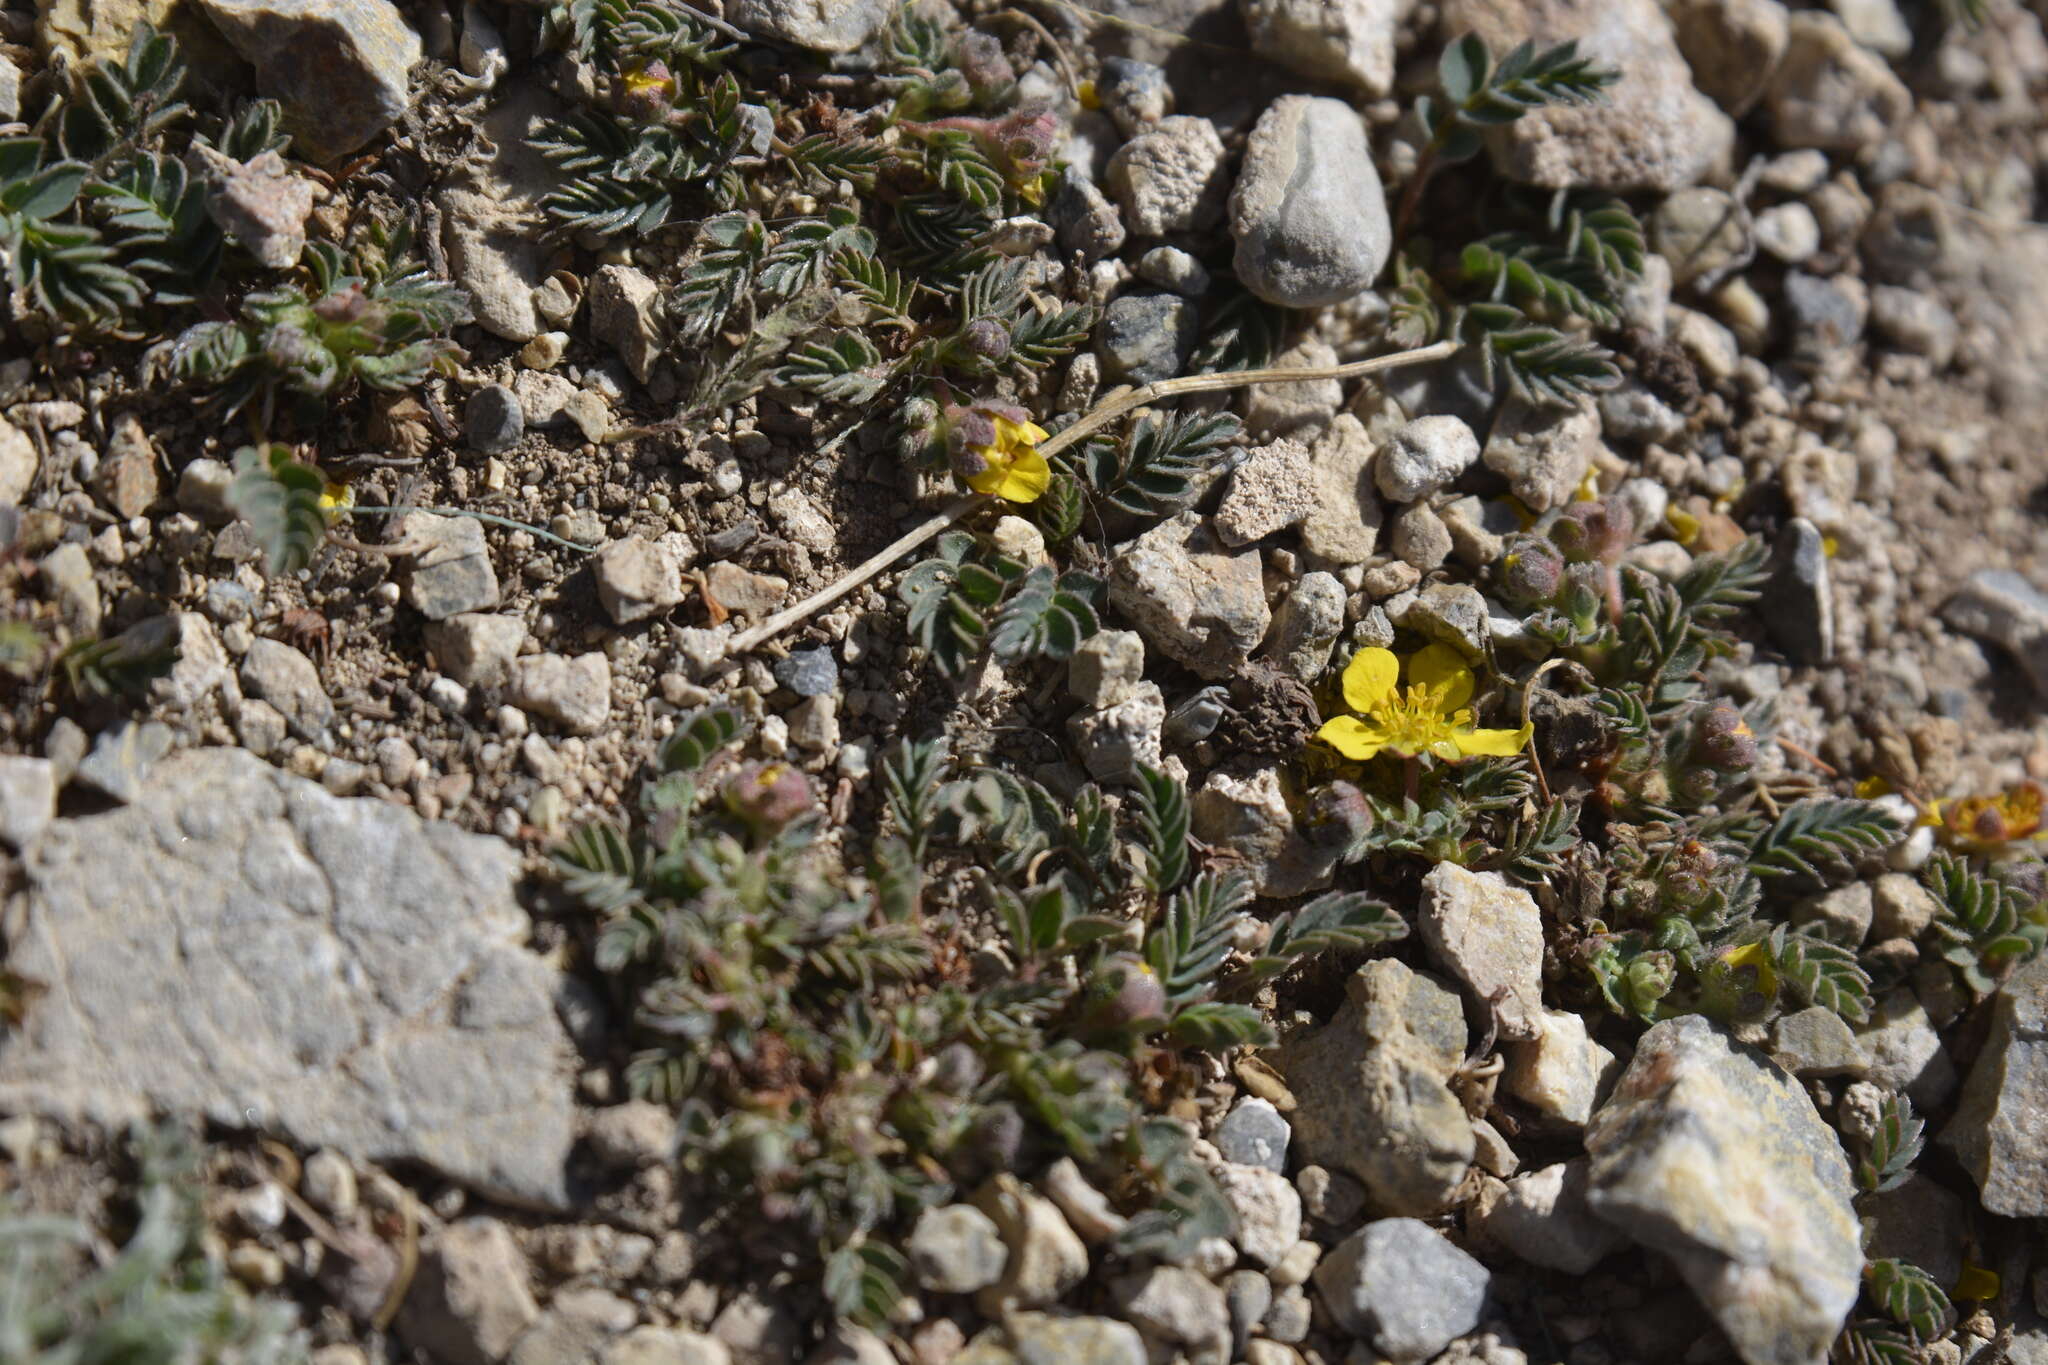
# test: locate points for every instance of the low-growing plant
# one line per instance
(159, 1300)
(829, 1061)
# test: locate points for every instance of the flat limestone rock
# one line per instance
(238, 943)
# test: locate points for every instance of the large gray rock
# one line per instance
(1372, 1092)
(2000, 1130)
(1542, 1217)
(1308, 212)
(1654, 131)
(334, 971)
(1401, 1285)
(822, 25)
(1714, 1156)
(1344, 526)
(1202, 606)
(338, 66)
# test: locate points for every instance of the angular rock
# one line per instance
(1732, 46)
(574, 693)
(1247, 813)
(1267, 1207)
(123, 757)
(1832, 92)
(1542, 1217)
(1420, 539)
(1402, 1286)
(1799, 609)
(493, 421)
(1714, 1156)
(625, 314)
(1302, 409)
(2000, 1129)
(1308, 212)
(1114, 740)
(1086, 223)
(2000, 606)
(1449, 613)
(1134, 94)
(1045, 1258)
(1918, 1220)
(19, 462)
(1045, 1339)
(259, 203)
(28, 798)
(1272, 490)
(1424, 456)
(1145, 338)
(476, 649)
(1815, 1042)
(471, 1301)
(451, 570)
(1254, 1133)
(486, 208)
(1201, 605)
(1372, 1092)
(809, 672)
(1306, 627)
(339, 67)
(1106, 668)
(1905, 1051)
(347, 976)
(1488, 934)
(1175, 1307)
(1560, 1073)
(956, 1250)
(1349, 42)
(1543, 453)
(126, 480)
(1344, 525)
(1654, 131)
(821, 25)
(287, 679)
(201, 664)
(1171, 179)
(636, 578)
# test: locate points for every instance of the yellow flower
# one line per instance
(1011, 467)
(1986, 823)
(650, 79)
(335, 501)
(1428, 716)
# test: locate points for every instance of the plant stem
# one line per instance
(1411, 194)
(1105, 412)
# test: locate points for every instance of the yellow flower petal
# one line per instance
(1497, 743)
(1026, 479)
(1442, 669)
(1369, 679)
(1352, 737)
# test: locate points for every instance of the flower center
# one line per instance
(1413, 718)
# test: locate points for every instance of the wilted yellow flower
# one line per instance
(1986, 823)
(335, 501)
(1428, 716)
(648, 80)
(1010, 466)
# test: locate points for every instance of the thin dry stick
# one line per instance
(1105, 412)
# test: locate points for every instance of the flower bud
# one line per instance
(1123, 996)
(1594, 531)
(1532, 571)
(986, 338)
(980, 58)
(1724, 741)
(1338, 816)
(768, 795)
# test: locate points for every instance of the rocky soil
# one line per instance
(298, 890)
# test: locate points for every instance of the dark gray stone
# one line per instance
(1084, 222)
(1146, 338)
(2000, 1131)
(494, 420)
(1798, 608)
(1254, 1134)
(809, 672)
(1134, 94)
(1825, 316)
